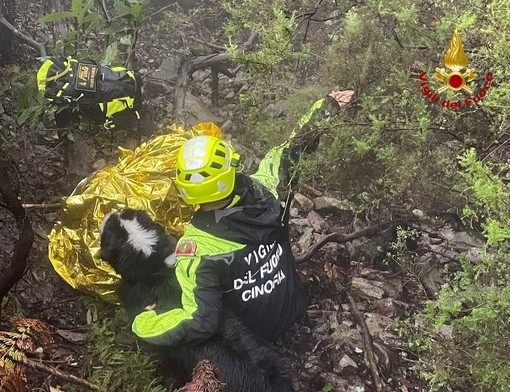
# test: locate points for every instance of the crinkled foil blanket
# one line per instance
(142, 179)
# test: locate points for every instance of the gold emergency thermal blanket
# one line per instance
(142, 179)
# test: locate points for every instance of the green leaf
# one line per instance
(93, 18)
(327, 388)
(70, 136)
(56, 16)
(114, 29)
(121, 8)
(110, 55)
(26, 114)
(126, 40)
(25, 93)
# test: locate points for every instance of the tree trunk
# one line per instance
(59, 27)
(12, 270)
(7, 8)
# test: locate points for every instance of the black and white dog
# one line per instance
(142, 252)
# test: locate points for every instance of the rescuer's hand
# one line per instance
(342, 97)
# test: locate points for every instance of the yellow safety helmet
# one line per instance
(206, 169)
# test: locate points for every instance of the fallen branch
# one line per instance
(340, 239)
(367, 341)
(188, 66)
(29, 40)
(42, 206)
(149, 17)
(60, 374)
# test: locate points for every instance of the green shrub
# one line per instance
(476, 305)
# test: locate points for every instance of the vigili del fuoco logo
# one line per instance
(455, 78)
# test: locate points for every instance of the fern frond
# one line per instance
(27, 335)
(12, 381)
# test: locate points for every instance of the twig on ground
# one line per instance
(41, 206)
(209, 44)
(367, 340)
(339, 238)
(160, 10)
(59, 373)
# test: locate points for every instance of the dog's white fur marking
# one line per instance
(140, 238)
(171, 260)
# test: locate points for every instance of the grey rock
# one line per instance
(294, 212)
(446, 331)
(300, 224)
(345, 334)
(460, 240)
(373, 289)
(196, 112)
(295, 249)
(363, 288)
(313, 370)
(306, 240)
(356, 388)
(388, 307)
(275, 110)
(430, 273)
(379, 327)
(345, 362)
(300, 221)
(303, 202)
(317, 222)
(169, 69)
(377, 323)
(344, 208)
(99, 164)
(419, 213)
(474, 255)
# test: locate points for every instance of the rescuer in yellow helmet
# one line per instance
(236, 249)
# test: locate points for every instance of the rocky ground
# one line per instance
(328, 348)
(334, 349)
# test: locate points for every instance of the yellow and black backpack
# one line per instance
(110, 95)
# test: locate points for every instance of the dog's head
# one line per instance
(133, 244)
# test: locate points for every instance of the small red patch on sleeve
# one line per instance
(186, 248)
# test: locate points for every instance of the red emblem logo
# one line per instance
(186, 248)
